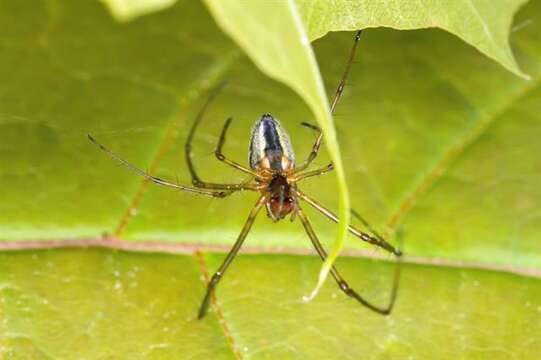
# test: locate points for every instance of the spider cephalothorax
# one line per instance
(274, 174)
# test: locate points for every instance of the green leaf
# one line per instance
(102, 304)
(422, 114)
(483, 24)
(435, 138)
(423, 111)
(281, 50)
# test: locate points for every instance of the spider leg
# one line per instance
(230, 256)
(270, 213)
(315, 147)
(154, 179)
(367, 224)
(378, 241)
(342, 284)
(342, 84)
(336, 99)
(220, 156)
(197, 121)
(196, 181)
(316, 172)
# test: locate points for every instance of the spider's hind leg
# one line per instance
(342, 284)
(215, 279)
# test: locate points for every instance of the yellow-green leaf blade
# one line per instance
(97, 304)
(483, 24)
(110, 304)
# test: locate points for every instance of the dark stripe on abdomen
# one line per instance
(272, 139)
(273, 147)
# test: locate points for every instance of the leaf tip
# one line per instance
(325, 268)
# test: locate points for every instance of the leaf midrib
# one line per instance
(192, 248)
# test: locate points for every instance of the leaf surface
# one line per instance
(481, 23)
(436, 140)
(102, 304)
(410, 161)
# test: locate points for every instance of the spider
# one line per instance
(274, 174)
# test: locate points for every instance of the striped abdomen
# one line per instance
(270, 147)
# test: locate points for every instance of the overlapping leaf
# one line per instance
(483, 24)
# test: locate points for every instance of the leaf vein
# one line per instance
(215, 74)
(454, 152)
(217, 309)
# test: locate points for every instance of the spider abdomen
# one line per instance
(270, 147)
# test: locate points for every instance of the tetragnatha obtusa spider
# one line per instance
(274, 174)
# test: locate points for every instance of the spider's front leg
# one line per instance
(335, 100)
(154, 179)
